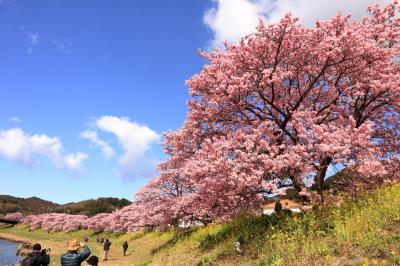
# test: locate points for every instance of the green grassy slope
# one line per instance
(359, 232)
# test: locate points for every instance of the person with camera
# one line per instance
(37, 257)
(73, 257)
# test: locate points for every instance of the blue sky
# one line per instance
(92, 59)
(88, 87)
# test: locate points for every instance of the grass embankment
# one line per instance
(359, 232)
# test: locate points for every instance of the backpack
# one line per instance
(28, 261)
(106, 245)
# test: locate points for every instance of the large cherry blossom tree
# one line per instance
(285, 104)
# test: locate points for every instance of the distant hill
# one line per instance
(34, 205)
(9, 204)
(92, 207)
(339, 181)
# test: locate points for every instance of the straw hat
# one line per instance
(74, 245)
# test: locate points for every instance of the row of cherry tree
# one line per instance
(127, 219)
(280, 107)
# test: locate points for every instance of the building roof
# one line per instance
(286, 203)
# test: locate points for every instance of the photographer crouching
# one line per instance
(37, 257)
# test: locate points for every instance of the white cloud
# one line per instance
(58, 44)
(136, 141)
(62, 45)
(16, 119)
(17, 145)
(36, 39)
(33, 39)
(232, 19)
(92, 136)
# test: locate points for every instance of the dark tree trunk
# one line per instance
(299, 186)
(321, 174)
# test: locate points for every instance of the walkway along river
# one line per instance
(8, 251)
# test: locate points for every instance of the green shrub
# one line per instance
(246, 229)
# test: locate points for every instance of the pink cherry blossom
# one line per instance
(15, 216)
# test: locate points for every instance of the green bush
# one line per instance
(245, 228)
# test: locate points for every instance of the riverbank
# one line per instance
(13, 238)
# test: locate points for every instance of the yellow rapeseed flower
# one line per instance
(366, 262)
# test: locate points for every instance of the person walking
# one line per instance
(106, 249)
(37, 257)
(125, 247)
(73, 257)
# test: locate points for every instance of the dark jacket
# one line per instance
(106, 245)
(73, 258)
(39, 259)
(125, 245)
